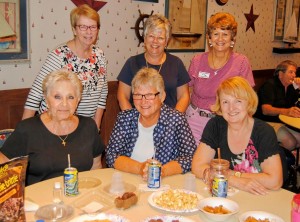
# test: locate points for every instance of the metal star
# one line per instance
(250, 19)
(96, 5)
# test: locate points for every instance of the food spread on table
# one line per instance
(217, 209)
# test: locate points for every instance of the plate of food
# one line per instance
(259, 216)
(167, 218)
(177, 200)
(99, 217)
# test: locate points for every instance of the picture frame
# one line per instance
(154, 1)
(188, 19)
(14, 33)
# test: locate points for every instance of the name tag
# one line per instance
(204, 75)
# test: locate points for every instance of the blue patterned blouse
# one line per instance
(172, 135)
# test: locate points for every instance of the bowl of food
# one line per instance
(218, 208)
(259, 216)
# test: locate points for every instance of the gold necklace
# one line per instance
(63, 141)
(216, 71)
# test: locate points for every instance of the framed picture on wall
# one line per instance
(155, 1)
(14, 37)
(188, 19)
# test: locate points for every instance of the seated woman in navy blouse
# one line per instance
(151, 130)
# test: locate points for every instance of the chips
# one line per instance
(253, 219)
(12, 183)
(177, 200)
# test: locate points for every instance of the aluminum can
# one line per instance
(154, 174)
(71, 181)
(219, 186)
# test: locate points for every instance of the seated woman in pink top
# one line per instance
(207, 70)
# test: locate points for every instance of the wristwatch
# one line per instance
(237, 174)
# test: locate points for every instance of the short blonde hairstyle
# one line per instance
(61, 75)
(158, 22)
(224, 21)
(240, 88)
(148, 77)
(84, 10)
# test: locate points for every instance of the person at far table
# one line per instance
(278, 96)
(157, 32)
(207, 70)
(81, 56)
(48, 138)
(150, 131)
(249, 144)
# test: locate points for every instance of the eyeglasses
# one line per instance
(93, 28)
(149, 96)
(158, 38)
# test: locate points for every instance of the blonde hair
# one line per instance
(240, 88)
(224, 21)
(157, 22)
(148, 77)
(84, 10)
(61, 75)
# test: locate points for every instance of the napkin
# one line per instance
(30, 206)
(92, 207)
(144, 187)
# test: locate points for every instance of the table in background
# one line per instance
(275, 202)
(290, 121)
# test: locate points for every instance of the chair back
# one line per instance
(4, 134)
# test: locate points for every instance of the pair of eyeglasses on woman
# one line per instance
(149, 96)
(85, 27)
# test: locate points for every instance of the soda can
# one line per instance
(71, 181)
(219, 186)
(154, 174)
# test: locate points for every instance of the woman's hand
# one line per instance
(248, 184)
(144, 167)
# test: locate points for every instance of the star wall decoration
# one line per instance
(96, 5)
(250, 19)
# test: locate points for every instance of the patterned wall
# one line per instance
(49, 26)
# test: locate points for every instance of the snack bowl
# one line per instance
(221, 208)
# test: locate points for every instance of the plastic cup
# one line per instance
(117, 184)
(190, 182)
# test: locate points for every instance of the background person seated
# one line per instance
(48, 138)
(151, 130)
(278, 96)
(249, 144)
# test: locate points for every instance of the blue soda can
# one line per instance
(219, 186)
(71, 181)
(154, 174)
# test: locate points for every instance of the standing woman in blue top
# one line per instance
(157, 32)
(82, 57)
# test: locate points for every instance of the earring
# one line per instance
(231, 44)
(210, 44)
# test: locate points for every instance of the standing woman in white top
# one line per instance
(82, 57)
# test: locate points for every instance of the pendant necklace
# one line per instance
(63, 141)
(216, 71)
(148, 64)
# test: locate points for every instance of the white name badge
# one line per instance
(204, 75)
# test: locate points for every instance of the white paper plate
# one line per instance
(54, 212)
(260, 215)
(88, 182)
(154, 195)
(102, 216)
(169, 218)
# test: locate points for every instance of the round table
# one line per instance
(275, 202)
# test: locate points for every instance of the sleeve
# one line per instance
(126, 75)
(35, 95)
(265, 140)
(192, 70)
(246, 71)
(117, 141)
(211, 133)
(14, 146)
(187, 145)
(266, 94)
(183, 76)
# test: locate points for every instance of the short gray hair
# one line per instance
(283, 66)
(148, 77)
(158, 22)
(61, 75)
